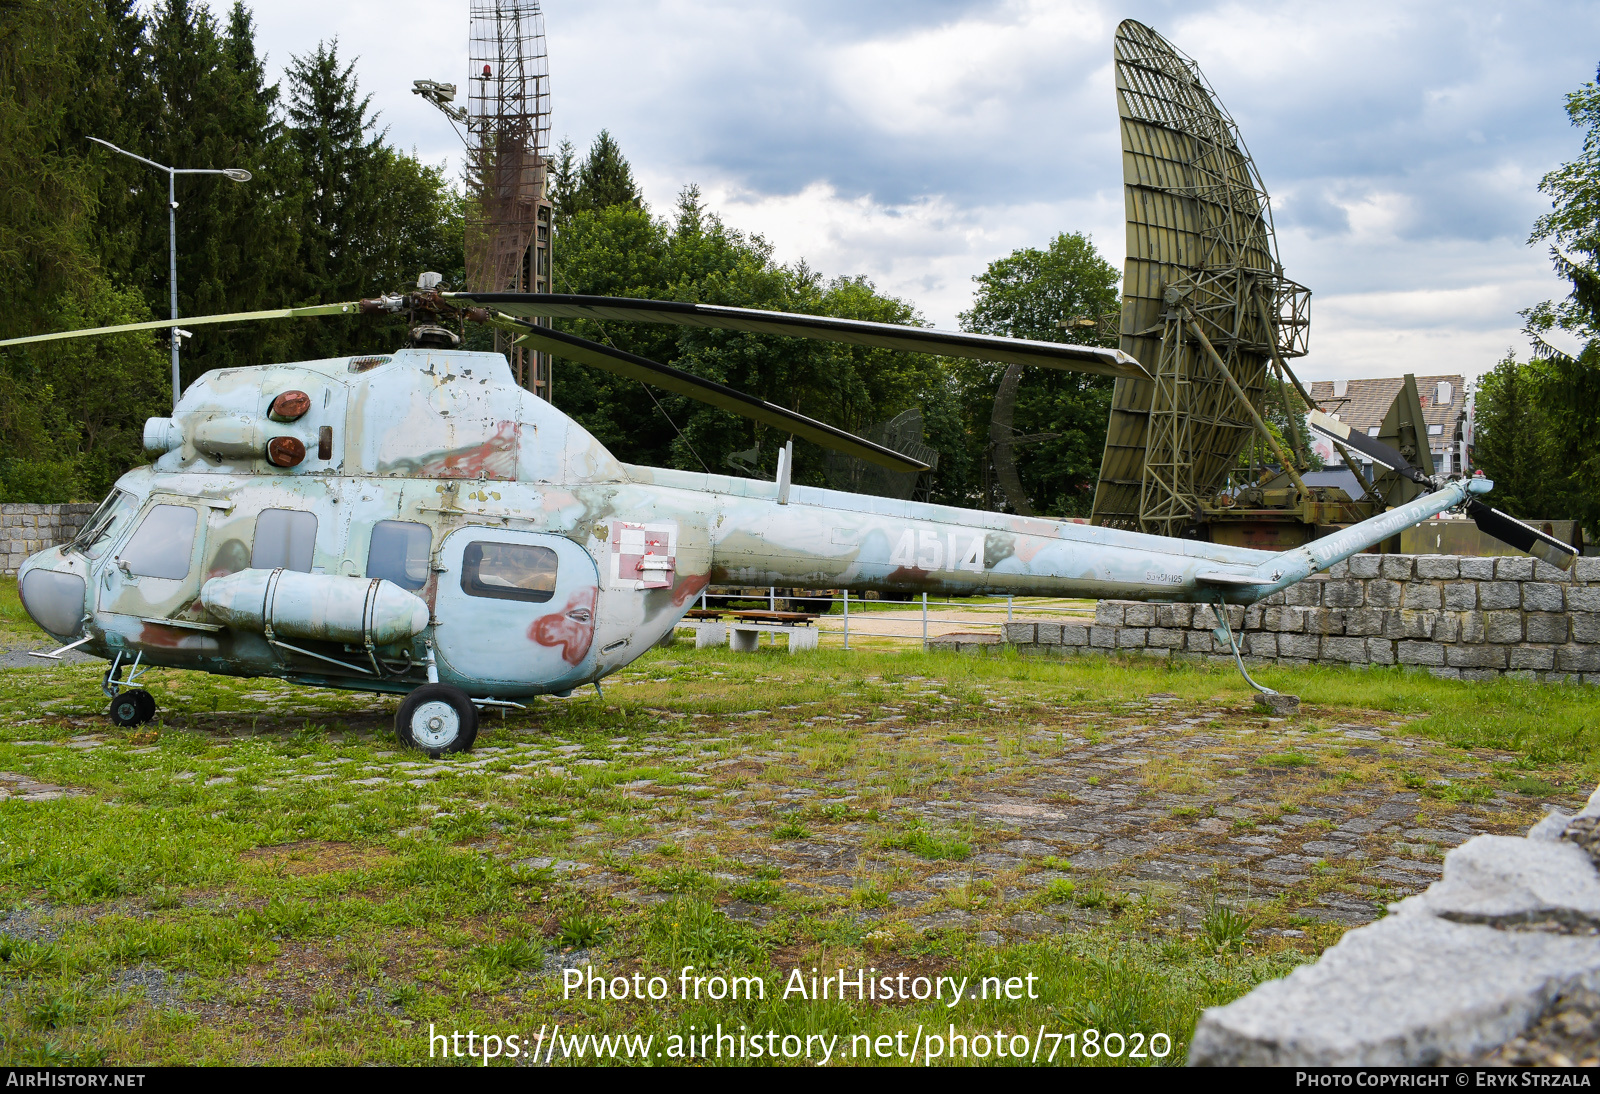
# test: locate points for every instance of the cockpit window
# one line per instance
(509, 571)
(162, 544)
(284, 538)
(399, 553)
(107, 525)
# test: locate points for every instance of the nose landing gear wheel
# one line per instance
(437, 718)
(133, 707)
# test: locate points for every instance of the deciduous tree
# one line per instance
(1029, 294)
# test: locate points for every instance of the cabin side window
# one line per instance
(284, 540)
(162, 544)
(509, 571)
(399, 553)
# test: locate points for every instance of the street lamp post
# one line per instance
(235, 173)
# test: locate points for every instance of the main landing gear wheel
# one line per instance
(133, 707)
(437, 718)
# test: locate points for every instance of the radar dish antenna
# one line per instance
(508, 138)
(1202, 286)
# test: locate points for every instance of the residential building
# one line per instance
(1362, 404)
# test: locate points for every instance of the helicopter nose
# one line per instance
(52, 597)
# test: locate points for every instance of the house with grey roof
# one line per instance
(1362, 404)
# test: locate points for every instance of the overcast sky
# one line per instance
(915, 142)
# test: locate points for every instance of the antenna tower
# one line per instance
(508, 139)
(1206, 306)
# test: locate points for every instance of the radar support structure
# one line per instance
(1206, 304)
(507, 119)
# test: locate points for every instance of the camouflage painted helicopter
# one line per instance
(416, 523)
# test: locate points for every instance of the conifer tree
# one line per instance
(372, 218)
(605, 178)
(563, 170)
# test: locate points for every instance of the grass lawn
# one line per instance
(262, 876)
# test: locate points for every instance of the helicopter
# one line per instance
(416, 523)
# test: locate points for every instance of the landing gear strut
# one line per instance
(130, 706)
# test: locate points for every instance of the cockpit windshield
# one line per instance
(107, 524)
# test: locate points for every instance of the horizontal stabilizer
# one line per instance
(1226, 579)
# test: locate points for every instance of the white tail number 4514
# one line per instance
(925, 550)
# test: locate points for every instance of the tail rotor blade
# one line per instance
(1370, 447)
(1512, 532)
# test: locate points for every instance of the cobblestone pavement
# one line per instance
(22, 657)
(919, 808)
(1178, 808)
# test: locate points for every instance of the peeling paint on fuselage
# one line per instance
(446, 440)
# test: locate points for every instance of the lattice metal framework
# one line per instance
(1200, 247)
(508, 138)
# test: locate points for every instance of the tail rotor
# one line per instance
(1490, 521)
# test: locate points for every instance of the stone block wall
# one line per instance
(1469, 618)
(26, 527)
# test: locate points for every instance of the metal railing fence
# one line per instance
(923, 614)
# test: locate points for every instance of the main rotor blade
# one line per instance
(718, 395)
(821, 328)
(1513, 532)
(192, 321)
(1370, 447)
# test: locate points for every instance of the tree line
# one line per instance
(610, 244)
(1538, 421)
(335, 211)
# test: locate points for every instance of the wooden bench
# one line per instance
(742, 630)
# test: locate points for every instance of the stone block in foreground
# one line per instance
(1451, 974)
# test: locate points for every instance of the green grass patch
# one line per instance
(1286, 759)
(1531, 785)
(790, 828)
(921, 842)
(1059, 891)
(288, 886)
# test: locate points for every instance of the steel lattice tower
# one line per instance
(508, 136)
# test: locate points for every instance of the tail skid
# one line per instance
(1283, 570)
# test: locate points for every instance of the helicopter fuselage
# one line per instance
(527, 559)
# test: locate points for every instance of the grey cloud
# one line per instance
(1448, 111)
(1418, 111)
(1310, 209)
